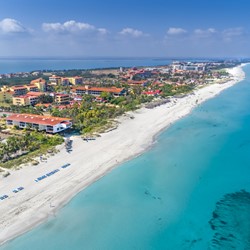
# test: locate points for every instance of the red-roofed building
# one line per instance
(138, 83)
(32, 88)
(96, 91)
(62, 98)
(55, 80)
(19, 90)
(31, 93)
(49, 124)
(31, 98)
(152, 92)
(22, 90)
(40, 83)
(76, 80)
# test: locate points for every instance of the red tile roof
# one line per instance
(37, 119)
(41, 80)
(31, 86)
(101, 89)
(141, 82)
(32, 93)
(18, 87)
(152, 92)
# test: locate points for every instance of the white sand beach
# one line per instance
(89, 161)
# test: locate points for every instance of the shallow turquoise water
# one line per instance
(165, 198)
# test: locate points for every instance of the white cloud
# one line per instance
(231, 32)
(176, 31)
(132, 32)
(8, 26)
(205, 33)
(103, 31)
(72, 27)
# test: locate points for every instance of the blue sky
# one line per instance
(163, 28)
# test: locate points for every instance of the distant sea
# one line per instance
(12, 65)
(191, 191)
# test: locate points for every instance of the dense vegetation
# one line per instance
(17, 146)
(18, 80)
(90, 116)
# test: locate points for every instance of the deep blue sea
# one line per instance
(9, 65)
(190, 191)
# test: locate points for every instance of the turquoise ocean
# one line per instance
(191, 190)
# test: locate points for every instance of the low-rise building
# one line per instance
(49, 124)
(62, 98)
(152, 92)
(142, 83)
(64, 81)
(76, 80)
(31, 98)
(32, 88)
(22, 100)
(96, 91)
(19, 90)
(55, 80)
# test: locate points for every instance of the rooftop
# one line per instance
(37, 119)
(101, 89)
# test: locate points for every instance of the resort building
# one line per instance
(76, 80)
(40, 83)
(38, 122)
(152, 92)
(96, 91)
(142, 83)
(62, 98)
(188, 66)
(32, 88)
(18, 90)
(21, 90)
(64, 81)
(31, 98)
(55, 80)
(21, 100)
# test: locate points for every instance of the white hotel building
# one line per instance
(49, 124)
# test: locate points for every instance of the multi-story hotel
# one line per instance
(40, 83)
(65, 81)
(31, 98)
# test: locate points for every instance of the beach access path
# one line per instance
(89, 161)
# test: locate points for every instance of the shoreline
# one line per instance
(90, 161)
